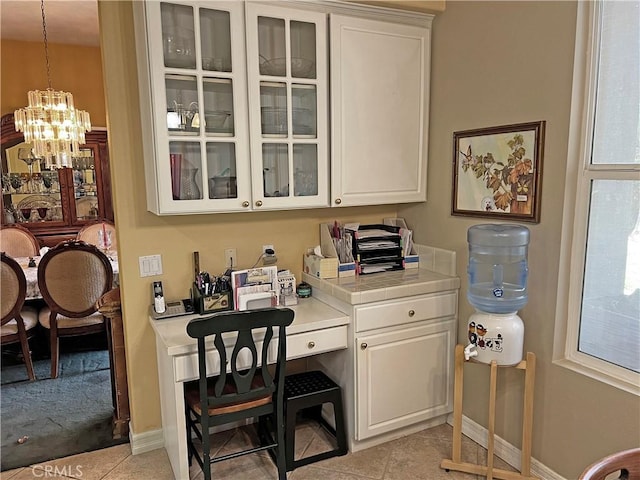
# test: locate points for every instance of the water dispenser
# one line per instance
(498, 267)
(497, 273)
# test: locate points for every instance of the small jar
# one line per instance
(303, 290)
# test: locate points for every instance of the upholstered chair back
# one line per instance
(17, 241)
(13, 289)
(18, 322)
(73, 276)
(91, 233)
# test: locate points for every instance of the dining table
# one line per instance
(31, 273)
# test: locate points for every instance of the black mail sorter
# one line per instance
(307, 392)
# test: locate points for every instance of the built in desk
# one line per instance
(317, 328)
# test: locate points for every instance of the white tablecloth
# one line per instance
(31, 274)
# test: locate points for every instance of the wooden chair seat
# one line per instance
(192, 396)
(65, 322)
(30, 317)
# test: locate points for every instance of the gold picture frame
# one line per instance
(497, 172)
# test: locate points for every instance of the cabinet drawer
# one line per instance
(186, 366)
(319, 341)
(405, 310)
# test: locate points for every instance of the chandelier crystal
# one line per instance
(51, 123)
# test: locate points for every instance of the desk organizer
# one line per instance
(377, 248)
(210, 303)
(411, 257)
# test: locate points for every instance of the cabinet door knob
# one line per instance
(311, 344)
(338, 201)
(363, 346)
(411, 313)
(259, 203)
(245, 204)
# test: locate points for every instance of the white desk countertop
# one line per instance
(378, 287)
(311, 314)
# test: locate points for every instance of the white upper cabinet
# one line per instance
(379, 111)
(193, 92)
(235, 101)
(287, 77)
(199, 155)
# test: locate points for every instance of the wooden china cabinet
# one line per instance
(54, 204)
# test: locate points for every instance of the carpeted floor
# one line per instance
(60, 417)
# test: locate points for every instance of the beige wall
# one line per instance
(176, 237)
(73, 68)
(498, 63)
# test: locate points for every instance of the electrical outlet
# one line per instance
(268, 258)
(230, 258)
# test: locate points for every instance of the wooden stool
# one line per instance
(309, 391)
(456, 463)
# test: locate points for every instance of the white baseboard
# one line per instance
(503, 449)
(145, 441)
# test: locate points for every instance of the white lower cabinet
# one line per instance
(404, 374)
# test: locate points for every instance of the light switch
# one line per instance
(150, 265)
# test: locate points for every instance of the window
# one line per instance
(599, 294)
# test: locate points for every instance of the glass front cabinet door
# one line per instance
(208, 146)
(287, 76)
(197, 158)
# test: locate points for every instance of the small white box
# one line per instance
(320, 267)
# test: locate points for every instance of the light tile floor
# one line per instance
(414, 457)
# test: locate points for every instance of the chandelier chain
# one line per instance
(46, 43)
(51, 123)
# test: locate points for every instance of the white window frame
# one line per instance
(579, 175)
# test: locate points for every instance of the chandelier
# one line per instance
(51, 123)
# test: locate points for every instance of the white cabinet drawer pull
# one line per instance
(245, 204)
(311, 344)
(411, 313)
(363, 346)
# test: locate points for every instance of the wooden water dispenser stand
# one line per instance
(456, 463)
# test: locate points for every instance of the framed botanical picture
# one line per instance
(497, 172)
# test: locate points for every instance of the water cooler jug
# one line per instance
(497, 273)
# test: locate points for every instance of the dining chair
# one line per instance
(90, 233)
(72, 276)
(627, 462)
(246, 390)
(18, 322)
(17, 241)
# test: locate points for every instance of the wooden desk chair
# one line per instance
(243, 392)
(18, 321)
(626, 462)
(90, 233)
(72, 276)
(17, 241)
